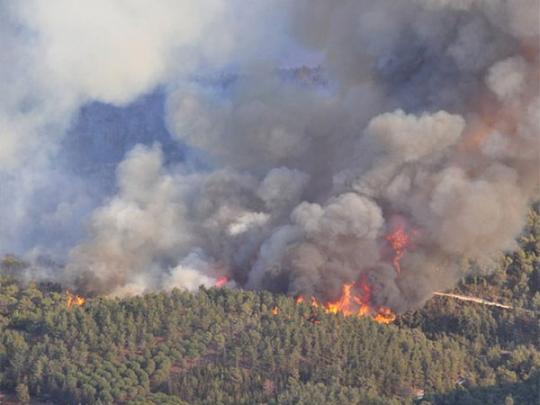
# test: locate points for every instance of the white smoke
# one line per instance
(422, 112)
(58, 56)
(507, 78)
(61, 55)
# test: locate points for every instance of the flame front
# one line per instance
(344, 303)
(384, 315)
(74, 300)
(355, 300)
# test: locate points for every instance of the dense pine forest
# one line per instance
(223, 346)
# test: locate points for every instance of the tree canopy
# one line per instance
(224, 346)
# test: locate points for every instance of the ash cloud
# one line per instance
(424, 113)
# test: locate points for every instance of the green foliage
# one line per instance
(223, 346)
(23, 396)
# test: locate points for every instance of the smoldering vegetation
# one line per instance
(420, 114)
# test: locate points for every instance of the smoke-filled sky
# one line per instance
(148, 145)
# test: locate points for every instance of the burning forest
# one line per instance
(74, 300)
(272, 202)
(362, 155)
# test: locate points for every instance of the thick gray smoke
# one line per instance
(420, 115)
(59, 56)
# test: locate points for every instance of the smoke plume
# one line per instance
(304, 150)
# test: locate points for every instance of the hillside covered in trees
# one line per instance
(223, 346)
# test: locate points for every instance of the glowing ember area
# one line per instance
(74, 300)
(384, 315)
(355, 300)
(221, 282)
(399, 241)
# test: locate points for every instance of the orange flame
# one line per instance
(275, 311)
(399, 241)
(343, 304)
(220, 282)
(74, 300)
(384, 315)
(355, 300)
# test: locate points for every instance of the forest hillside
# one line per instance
(226, 346)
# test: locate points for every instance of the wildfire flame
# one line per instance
(399, 241)
(74, 300)
(384, 315)
(275, 311)
(343, 304)
(220, 282)
(355, 300)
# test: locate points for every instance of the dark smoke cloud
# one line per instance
(422, 113)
